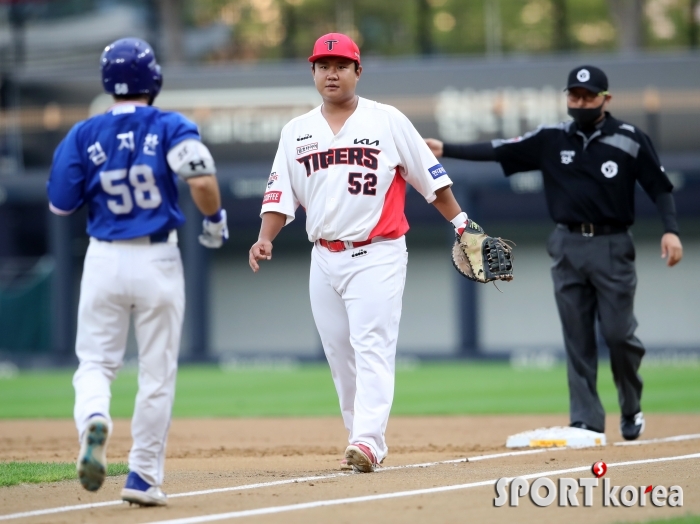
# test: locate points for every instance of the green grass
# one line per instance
(687, 519)
(435, 388)
(13, 473)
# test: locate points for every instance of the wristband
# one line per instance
(459, 220)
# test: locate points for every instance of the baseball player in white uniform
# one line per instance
(123, 165)
(347, 163)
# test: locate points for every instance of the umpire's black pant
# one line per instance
(595, 276)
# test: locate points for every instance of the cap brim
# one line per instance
(591, 88)
(313, 58)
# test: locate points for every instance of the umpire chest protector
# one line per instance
(589, 177)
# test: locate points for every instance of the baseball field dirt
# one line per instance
(211, 454)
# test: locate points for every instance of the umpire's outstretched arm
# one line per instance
(671, 247)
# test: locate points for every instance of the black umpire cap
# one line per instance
(588, 77)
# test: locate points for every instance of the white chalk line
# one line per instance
(49, 511)
(63, 509)
(677, 438)
(470, 459)
(398, 494)
(77, 507)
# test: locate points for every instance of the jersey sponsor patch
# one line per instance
(272, 179)
(366, 142)
(272, 197)
(437, 171)
(308, 147)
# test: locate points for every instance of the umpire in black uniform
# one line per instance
(590, 167)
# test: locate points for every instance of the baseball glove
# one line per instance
(482, 258)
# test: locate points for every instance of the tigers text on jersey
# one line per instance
(117, 164)
(353, 184)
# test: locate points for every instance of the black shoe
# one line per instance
(583, 425)
(632, 427)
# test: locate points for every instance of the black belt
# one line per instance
(156, 238)
(160, 237)
(590, 230)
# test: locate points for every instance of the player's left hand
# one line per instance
(214, 234)
(261, 250)
(482, 258)
(671, 249)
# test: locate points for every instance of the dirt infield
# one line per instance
(214, 454)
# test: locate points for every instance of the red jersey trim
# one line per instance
(392, 222)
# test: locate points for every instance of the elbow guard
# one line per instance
(191, 158)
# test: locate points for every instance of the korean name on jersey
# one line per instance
(353, 184)
(119, 164)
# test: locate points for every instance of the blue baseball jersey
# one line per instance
(116, 164)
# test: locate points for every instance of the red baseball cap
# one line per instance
(335, 44)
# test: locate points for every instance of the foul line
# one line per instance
(426, 491)
(470, 459)
(77, 507)
(677, 438)
(63, 509)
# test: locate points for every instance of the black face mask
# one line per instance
(586, 116)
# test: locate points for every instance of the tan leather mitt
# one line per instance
(480, 257)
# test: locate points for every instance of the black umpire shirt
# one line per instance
(588, 177)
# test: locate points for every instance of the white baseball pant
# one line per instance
(356, 304)
(121, 279)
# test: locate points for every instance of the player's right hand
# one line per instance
(214, 234)
(671, 249)
(435, 145)
(261, 250)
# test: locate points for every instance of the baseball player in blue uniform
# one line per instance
(123, 165)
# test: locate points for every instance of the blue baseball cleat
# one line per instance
(92, 460)
(138, 491)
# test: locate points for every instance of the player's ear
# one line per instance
(358, 71)
(608, 98)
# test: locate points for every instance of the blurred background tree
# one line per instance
(265, 29)
(253, 30)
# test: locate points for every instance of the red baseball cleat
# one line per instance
(361, 458)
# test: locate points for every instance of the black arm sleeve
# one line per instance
(667, 209)
(650, 174)
(482, 151)
(523, 153)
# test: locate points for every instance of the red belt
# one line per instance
(341, 245)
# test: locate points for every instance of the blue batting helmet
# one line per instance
(129, 67)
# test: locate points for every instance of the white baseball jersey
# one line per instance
(353, 184)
